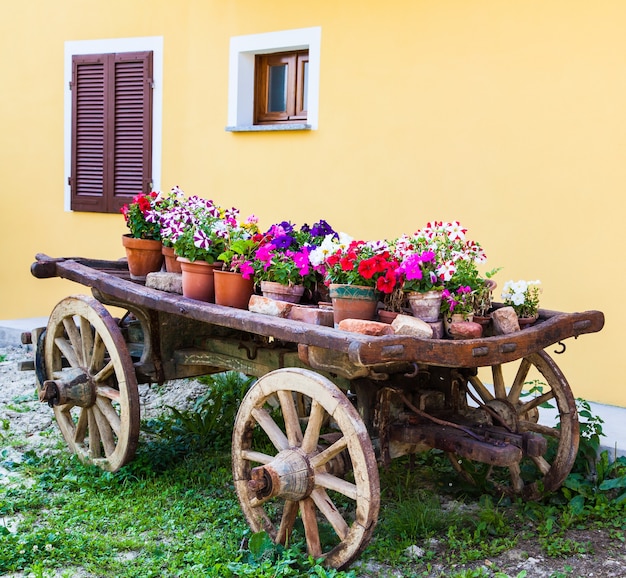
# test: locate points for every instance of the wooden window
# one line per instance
(111, 129)
(281, 83)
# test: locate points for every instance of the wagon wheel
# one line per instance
(91, 383)
(325, 473)
(517, 411)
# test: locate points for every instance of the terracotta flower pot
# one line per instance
(232, 290)
(425, 306)
(144, 256)
(352, 302)
(172, 264)
(289, 293)
(198, 280)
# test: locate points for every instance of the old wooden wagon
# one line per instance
(331, 405)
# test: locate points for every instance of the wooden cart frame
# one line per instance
(329, 406)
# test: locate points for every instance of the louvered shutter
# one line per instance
(111, 129)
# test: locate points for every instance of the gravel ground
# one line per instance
(27, 417)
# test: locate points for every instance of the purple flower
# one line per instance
(201, 239)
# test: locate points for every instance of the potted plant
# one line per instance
(199, 232)
(356, 272)
(282, 262)
(169, 205)
(457, 305)
(143, 243)
(523, 296)
(234, 284)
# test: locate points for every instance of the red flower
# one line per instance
(386, 282)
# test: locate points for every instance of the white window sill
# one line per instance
(268, 127)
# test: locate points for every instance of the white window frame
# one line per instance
(102, 46)
(243, 49)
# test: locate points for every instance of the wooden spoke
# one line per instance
(109, 413)
(329, 453)
(540, 429)
(331, 482)
(328, 509)
(518, 382)
(536, 402)
(257, 457)
(81, 426)
(105, 431)
(292, 422)
(297, 480)
(269, 426)
(313, 428)
(97, 356)
(75, 340)
(498, 382)
(290, 513)
(533, 475)
(86, 339)
(65, 347)
(95, 450)
(108, 392)
(480, 389)
(105, 372)
(309, 518)
(101, 424)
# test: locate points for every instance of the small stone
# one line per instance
(366, 327)
(414, 552)
(504, 321)
(408, 325)
(312, 315)
(170, 282)
(466, 330)
(267, 306)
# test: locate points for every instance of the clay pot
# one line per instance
(198, 280)
(525, 322)
(425, 306)
(385, 316)
(232, 290)
(352, 302)
(289, 293)
(172, 264)
(144, 256)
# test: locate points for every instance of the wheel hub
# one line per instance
(505, 412)
(289, 475)
(76, 387)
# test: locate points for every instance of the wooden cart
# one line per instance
(329, 406)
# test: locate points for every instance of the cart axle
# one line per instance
(76, 388)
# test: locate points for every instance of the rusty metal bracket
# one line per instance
(250, 351)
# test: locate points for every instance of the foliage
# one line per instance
(523, 296)
(142, 216)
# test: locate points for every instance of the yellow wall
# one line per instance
(508, 116)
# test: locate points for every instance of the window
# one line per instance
(300, 87)
(111, 129)
(113, 121)
(281, 84)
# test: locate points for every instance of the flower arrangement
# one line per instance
(198, 228)
(350, 262)
(458, 301)
(283, 255)
(523, 296)
(142, 216)
(240, 246)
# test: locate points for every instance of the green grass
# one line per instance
(173, 511)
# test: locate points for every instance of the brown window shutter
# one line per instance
(111, 129)
(88, 132)
(132, 127)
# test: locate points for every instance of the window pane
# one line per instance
(278, 89)
(305, 87)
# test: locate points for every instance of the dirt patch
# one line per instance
(602, 554)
